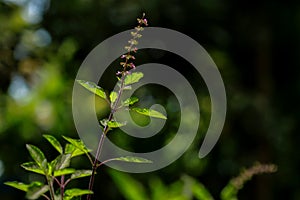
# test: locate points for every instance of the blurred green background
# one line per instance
(255, 44)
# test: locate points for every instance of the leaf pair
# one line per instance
(97, 90)
(129, 80)
(75, 147)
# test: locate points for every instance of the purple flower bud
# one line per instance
(118, 73)
(145, 22)
(123, 56)
(132, 65)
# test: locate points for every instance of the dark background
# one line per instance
(255, 45)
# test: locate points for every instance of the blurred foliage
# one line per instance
(256, 46)
(186, 188)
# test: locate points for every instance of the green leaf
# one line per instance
(55, 143)
(130, 101)
(51, 166)
(103, 122)
(114, 124)
(149, 112)
(18, 185)
(93, 87)
(81, 174)
(77, 192)
(133, 78)
(229, 192)
(78, 144)
(35, 190)
(113, 96)
(111, 124)
(33, 167)
(133, 159)
(74, 151)
(37, 155)
(71, 198)
(64, 171)
(62, 161)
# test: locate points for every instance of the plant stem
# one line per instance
(114, 106)
(46, 197)
(105, 130)
(51, 188)
(62, 187)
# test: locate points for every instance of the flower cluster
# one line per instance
(128, 58)
(247, 174)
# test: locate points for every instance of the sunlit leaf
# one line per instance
(113, 96)
(18, 185)
(55, 143)
(37, 155)
(114, 124)
(78, 144)
(62, 161)
(74, 151)
(36, 190)
(133, 159)
(64, 171)
(77, 192)
(111, 124)
(81, 174)
(130, 101)
(51, 166)
(149, 112)
(33, 167)
(133, 78)
(93, 87)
